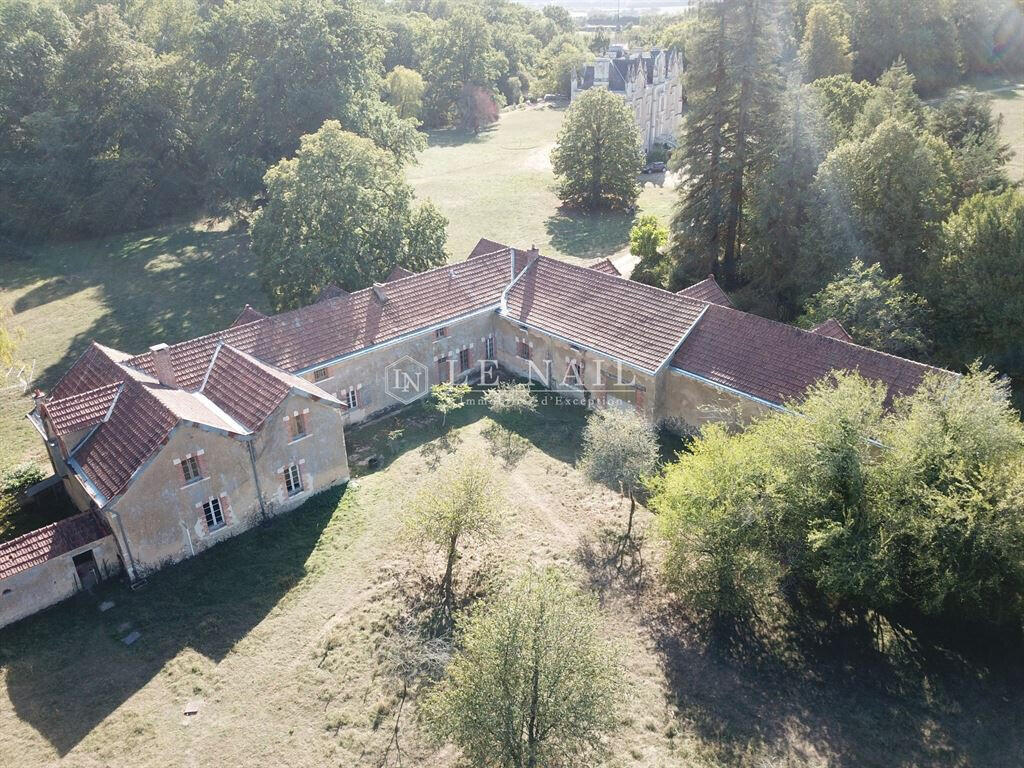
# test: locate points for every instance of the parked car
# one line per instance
(654, 168)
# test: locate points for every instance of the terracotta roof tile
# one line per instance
(49, 542)
(832, 328)
(707, 290)
(398, 273)
(138, 425)
(245, 391)
(636, 323)
(247, 315)
(605, 265)
(71, 414)
(778, 362)
(485, 246)
(331, 291)
(97, 367)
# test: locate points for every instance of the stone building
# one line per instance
(649, 81)
(170, 451)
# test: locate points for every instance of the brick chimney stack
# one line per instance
(162, 363)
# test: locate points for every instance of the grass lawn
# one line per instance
(499, 185)
(1008, 101)
(274, 636)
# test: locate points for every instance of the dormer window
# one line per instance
(321, 374)
(441, 333)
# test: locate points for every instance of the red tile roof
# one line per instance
(332, 328)
(778, 362)
(636, 323)
(94, 369)
(247, 315)
(832, 328)
(49, 542)
(70, 414)
(707, 290)
(398, 273)
(605, 265)
(245, 391)
(485, 246)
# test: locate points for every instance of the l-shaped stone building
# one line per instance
(170, 451)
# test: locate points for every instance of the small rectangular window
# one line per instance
(321, 373)
(464, 359)
(298, 426)
(523, 349)
(190, 469)
(440, 333)
(489, 348)
(292, 479)
(444, 371)
(214, 515)
(350, 398)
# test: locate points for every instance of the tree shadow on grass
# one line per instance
(456, 137)
(589, 235)
(67, 669)
(167, 284)
(752, 699)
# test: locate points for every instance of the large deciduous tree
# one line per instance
(340, 211)
(825, 50)
(535, 682)
(598, 155)
(877, 312)
(976, 283)
(271, 71)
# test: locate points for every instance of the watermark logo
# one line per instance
(406, 380)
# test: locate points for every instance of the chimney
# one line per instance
(380, 293)
(162, 363)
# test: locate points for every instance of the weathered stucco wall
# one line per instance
(162, 517)
(365, 372)
(685, 404)
(43, 585)
(606, 380)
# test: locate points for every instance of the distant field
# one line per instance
(499, 185)
(1008, 101)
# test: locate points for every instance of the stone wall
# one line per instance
(43, 585)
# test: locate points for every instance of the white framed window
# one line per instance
(190, 469)
(350, 397)
(292, 479)
(213, 513)
(320, 374)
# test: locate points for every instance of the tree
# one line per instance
(271, 71)
(535, 682)
(879, 199)
(447, 397)
(600, 43)
(558, 60)
(645, 239)
(461, 502)
(825, 50)
(976, 283)
(560, 16)
(733, 85)
(893, 98)
(510, 403)
(598, 154)
(877, 312)
(966, 123)
(477, 108)
(340, 211)
(620, 450)
(839, 101)
(405, 88)
(459, 53)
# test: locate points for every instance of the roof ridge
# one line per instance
(642, 287)
(84, 393)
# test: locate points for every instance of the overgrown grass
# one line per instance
(274, 636)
